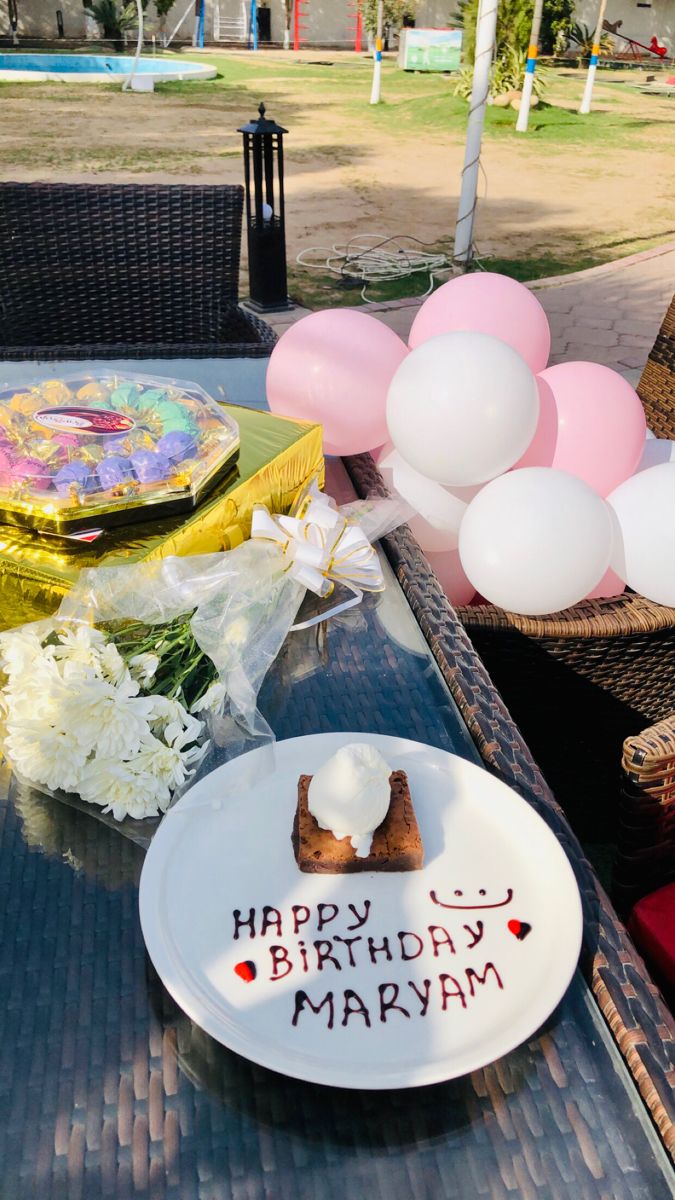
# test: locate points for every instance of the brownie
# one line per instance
(396, 846)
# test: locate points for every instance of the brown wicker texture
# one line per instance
(123, 271)
(632, 1005)
(579, 682)
(657, 386)
(645, 857)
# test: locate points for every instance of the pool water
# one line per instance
(100, 66)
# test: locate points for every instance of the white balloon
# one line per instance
(440, 510)
(656, 451)
(462, 408)
(644, 550)
(536, 540)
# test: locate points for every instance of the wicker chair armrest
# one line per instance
(630, 1002)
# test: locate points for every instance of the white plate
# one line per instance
(227, 846)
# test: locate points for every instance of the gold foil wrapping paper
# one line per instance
(277, 457)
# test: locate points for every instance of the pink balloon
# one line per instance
(610, 585)
(601, 425)
(334, 368)
(450, 574)
(541, 449)
(487, 303)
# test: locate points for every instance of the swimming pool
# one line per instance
(97, 68)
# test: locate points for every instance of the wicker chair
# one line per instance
(123, 271)
(645, 858)
(579, 682)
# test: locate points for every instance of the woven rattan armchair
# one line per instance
(579, 682)
(645, 857)
(123, 271)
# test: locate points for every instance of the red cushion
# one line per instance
(652, 927)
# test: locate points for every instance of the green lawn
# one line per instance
(572, 193)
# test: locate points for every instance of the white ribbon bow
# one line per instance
(321, 548)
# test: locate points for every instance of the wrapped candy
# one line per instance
(149, 466)
(75, 475)
(177, 445)
(31, 468)
(102, 443)
(113, 470)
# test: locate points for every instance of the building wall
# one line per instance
(37, 18)
(328, 21)
(640, 22)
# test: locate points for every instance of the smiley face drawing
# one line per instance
(477, 904)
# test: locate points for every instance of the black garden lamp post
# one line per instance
(264, 176)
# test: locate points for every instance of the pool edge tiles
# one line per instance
(96, 68)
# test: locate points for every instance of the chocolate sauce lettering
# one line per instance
(360, 920)
(323, 956)
(462, 907)
(471, 975)
(440, 937)
(303, 955)
(457, 993)
(406, 933)
(302, 1000)
(296, 910)
(248, 922)
(374, 950)
(323, 919)
(423, 999)
(280, 959)
(389, 1005)
(357, 1009)
(348, 942)
(475, 935)
(268, 920)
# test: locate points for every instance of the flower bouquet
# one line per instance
(119, 699)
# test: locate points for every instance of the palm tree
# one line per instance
(113, 19)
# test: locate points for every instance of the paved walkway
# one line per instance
(608, 315)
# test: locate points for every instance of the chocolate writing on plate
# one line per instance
(329, 941)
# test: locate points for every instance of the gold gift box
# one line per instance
(277, 457)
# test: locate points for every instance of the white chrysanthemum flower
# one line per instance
(43, 754)
(169, 765)
(213, 700)
(238, 631)
(144, 667)
(80, 643)
(110, 720)
(20, 650)
(117, 788)
(38, 693)
(113, 666)
(170, 719)
(167, 712)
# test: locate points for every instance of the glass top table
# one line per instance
(108, 1090)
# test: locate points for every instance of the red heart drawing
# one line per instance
(246, 971)
(519, 929)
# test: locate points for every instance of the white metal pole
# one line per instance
(139, 47)
(377, 61)
(530, 68)
(486, 29)
(585, 106)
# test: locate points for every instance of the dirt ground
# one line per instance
(567, 195)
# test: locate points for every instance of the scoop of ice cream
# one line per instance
(350, 795)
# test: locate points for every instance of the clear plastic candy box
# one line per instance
(108, 449)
